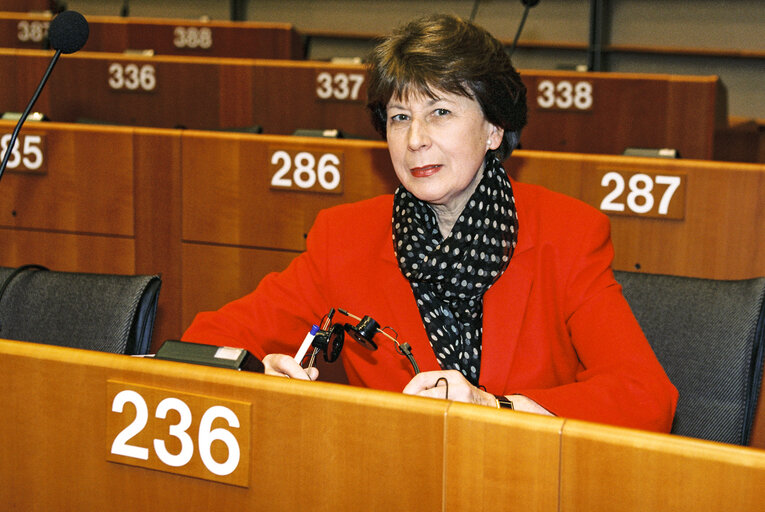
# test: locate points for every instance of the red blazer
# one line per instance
(556, 327)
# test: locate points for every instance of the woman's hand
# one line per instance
(460, 390)
(285, 366)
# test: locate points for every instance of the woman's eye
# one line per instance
(399, 117)
(442, 112)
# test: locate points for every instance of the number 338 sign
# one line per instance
(191, 435)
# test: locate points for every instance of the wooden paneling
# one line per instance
(498, 461)
(157, 174)
(87, 192)
(66, 251)
(332, 447)
(163, 36)
(214, 275)
(720, 236)
(605, 469)
(609, 112)
(24, 5)
(234, 173)
(569, 111)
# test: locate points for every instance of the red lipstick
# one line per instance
(425, 170)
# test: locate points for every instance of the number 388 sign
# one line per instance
(191, 435)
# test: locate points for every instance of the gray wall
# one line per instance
(697, 24)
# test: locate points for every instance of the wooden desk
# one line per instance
(569, 111)
(714, 224)
(190, 92)
(96, 199)
(163, 36)
(323, 446)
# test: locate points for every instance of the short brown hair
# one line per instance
(447, 53)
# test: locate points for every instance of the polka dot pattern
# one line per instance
(449, 276)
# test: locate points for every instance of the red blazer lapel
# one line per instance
(505, 303)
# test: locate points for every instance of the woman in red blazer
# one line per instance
(504, 291)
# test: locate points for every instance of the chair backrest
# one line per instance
(709, 336)
(106, 312)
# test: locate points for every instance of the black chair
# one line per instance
(106, 312)
(709, 336)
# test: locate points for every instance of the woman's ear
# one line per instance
(495, 137)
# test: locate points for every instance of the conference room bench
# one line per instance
(162, 36)
(86, 430)
(214, 212)
(568, 111)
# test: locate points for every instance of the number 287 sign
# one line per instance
(635, 193)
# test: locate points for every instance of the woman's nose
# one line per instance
(418, 135)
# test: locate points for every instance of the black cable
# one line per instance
(446, 395)
(23, 117)
(406, 349)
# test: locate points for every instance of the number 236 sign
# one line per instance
(181, 433)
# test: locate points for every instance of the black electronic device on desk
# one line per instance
(209, 355)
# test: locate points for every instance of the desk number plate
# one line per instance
(191, 435)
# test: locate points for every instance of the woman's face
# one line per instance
(438, 145)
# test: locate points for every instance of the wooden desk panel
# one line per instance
(214, 275)
(286, 97)
(720, 236)
(67, 252)
(8, 92)
(606, 468)
(157, 168)
(232, 172)
(609, 112)
(82, 190)
(319, 445)
(622, 110)
(501, 461)
(231, 39)
(24, 5)
(338, 448)
(164, 36)
(146, 91)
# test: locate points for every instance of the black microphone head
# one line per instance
(68, 32)
(529, 3)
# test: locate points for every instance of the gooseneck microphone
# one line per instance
(68, 32)
(528, 4)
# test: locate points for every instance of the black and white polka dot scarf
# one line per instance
(449, 276)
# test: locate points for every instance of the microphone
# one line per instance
(68, 32)
(528, 5)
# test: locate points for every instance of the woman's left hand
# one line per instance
(431, 384)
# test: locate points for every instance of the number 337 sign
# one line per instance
(182, 433)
